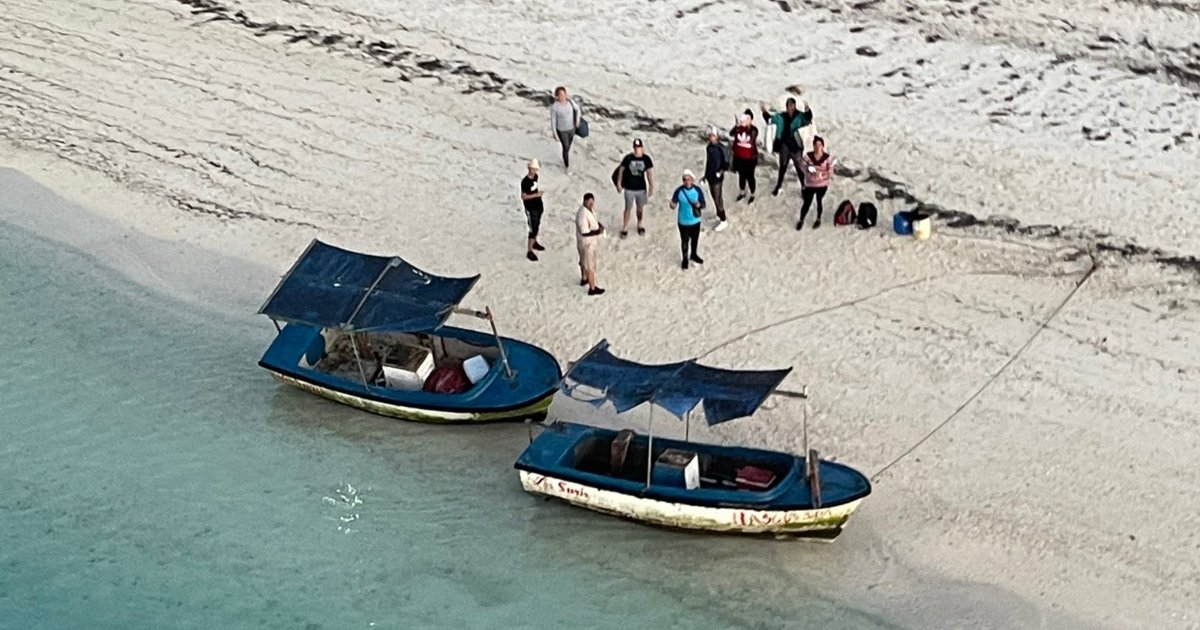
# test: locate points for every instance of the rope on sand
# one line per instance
(1012, 359)
(859, 300)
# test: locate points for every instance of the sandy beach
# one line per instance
(1046, 137)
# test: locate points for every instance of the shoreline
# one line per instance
(115, 245)
(157, 262)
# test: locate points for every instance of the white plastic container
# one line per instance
(922, 228)
(476, 368)
(406, 367)
(401, 379)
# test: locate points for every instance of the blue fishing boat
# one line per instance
(679, 483)
(368, 331)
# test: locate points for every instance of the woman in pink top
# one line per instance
(818, 168)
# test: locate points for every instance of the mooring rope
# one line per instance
(1012, 359)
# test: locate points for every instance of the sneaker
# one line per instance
(722, 225)
(624, 233)
(596, 291)
(816, 224)
(531, 256)
(538, 247)
(698, 260)
(775, 193)
(799, 225)
(641, 231)
(750, 200)
(684, 265)
(583, 283)
(741, 196)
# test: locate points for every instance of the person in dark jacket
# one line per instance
(791, 147)
(714, 173)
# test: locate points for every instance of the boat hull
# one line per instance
(821, 523)
(535, 409)
(493, 398)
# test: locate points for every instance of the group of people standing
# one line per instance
(634, 179)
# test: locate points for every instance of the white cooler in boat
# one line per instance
(406, 367)
(476, 368)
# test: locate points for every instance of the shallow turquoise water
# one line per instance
(155, 477)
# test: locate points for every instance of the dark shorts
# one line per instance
(534, 218)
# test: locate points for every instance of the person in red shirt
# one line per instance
(744, 138)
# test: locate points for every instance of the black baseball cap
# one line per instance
(637, 143)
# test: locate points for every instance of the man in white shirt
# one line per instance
(588, 231)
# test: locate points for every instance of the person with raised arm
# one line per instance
(744, 137)
(787, 137)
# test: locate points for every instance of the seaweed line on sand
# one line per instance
(414, 64)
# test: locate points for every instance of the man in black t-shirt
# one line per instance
(531, 196)
(635, 178)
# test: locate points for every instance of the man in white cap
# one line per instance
(688, 199)
(588, 231)
(531, 197)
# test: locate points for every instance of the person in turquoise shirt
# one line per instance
(688, 199)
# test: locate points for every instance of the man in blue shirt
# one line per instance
(688, 199)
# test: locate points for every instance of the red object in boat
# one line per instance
(447, 379)
(754, 478)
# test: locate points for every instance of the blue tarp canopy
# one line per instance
(333, 287)
(676, 387)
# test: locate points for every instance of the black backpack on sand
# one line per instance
(845, 213)
(868, 215)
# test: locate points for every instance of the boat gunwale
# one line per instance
(768, 499)
(333, 383)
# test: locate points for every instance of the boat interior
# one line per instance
(392, 359)
(623, 456)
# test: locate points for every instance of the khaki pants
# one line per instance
(587, 256)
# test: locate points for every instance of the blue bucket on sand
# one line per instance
(902, 223)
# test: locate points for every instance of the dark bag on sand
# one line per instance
(868, 215)
(582, 129)
(845, 213)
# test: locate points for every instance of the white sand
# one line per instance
(1065, 496)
